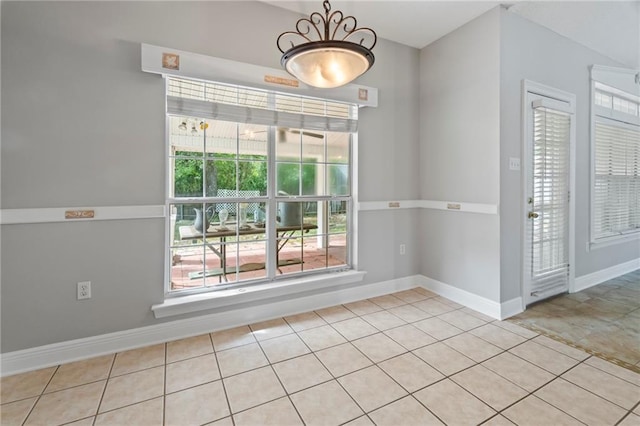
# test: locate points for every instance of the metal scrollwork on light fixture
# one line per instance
(327, 51)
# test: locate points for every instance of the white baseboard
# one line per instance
(511, 307)
(463, 297)
(585, 281)
(75, 350)
(481, 304)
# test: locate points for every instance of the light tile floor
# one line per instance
(410, 358)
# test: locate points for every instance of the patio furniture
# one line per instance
(284, 233)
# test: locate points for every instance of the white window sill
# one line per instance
(225, 298)
(610, 241)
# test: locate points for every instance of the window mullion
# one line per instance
(271, 205)
(271, 232)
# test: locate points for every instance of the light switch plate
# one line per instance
(514, 163)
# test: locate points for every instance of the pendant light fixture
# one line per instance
(327, 51)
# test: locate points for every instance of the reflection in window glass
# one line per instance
(338, 147)
(338, 179)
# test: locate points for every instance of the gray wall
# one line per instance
(470, 115)
(83, 126)
(532, 52)
(459, 154)
(388, 165)
(601, 25)
(81, 123)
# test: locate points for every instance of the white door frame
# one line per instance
(569, 101)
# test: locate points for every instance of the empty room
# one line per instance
(319, 213)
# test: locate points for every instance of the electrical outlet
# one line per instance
(84, 290)
(402, 249)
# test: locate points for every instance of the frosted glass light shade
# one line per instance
(327, 64)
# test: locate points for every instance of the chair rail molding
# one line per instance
(92, 213)
(452, 206)
(79, 214)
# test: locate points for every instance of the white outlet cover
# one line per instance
(84, 290)
(514, 163)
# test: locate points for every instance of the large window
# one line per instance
(259, 185)
(616, 164)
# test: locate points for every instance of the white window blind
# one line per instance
(223, 102)
(617, 178)
(549, 232)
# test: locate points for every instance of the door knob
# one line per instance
(532, 215)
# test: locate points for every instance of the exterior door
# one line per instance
(548, 207)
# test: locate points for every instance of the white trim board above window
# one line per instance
(623, 79)
(179, 63)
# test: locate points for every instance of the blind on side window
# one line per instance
(617, 178)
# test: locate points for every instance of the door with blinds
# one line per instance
(547, 221)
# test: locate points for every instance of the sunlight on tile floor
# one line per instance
(410, 358)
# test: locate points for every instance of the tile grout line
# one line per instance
(629, 413)
(614, 375)
(164, 393)
(476, 363)
(376, 364)
(595, 296)
(96, 381)
(592, 352)
(104, 390)
(411, 394)
(333, 377)
(591, 392)
(67, 388)
(347, 341)
(559, 376)
(528, 394)
(39, 395)
(224, 387)
(275, 373)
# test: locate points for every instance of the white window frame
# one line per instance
(623, 84)
(197, 66)
(271, 199)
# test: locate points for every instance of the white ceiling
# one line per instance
(608, 27)
(412, 23)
